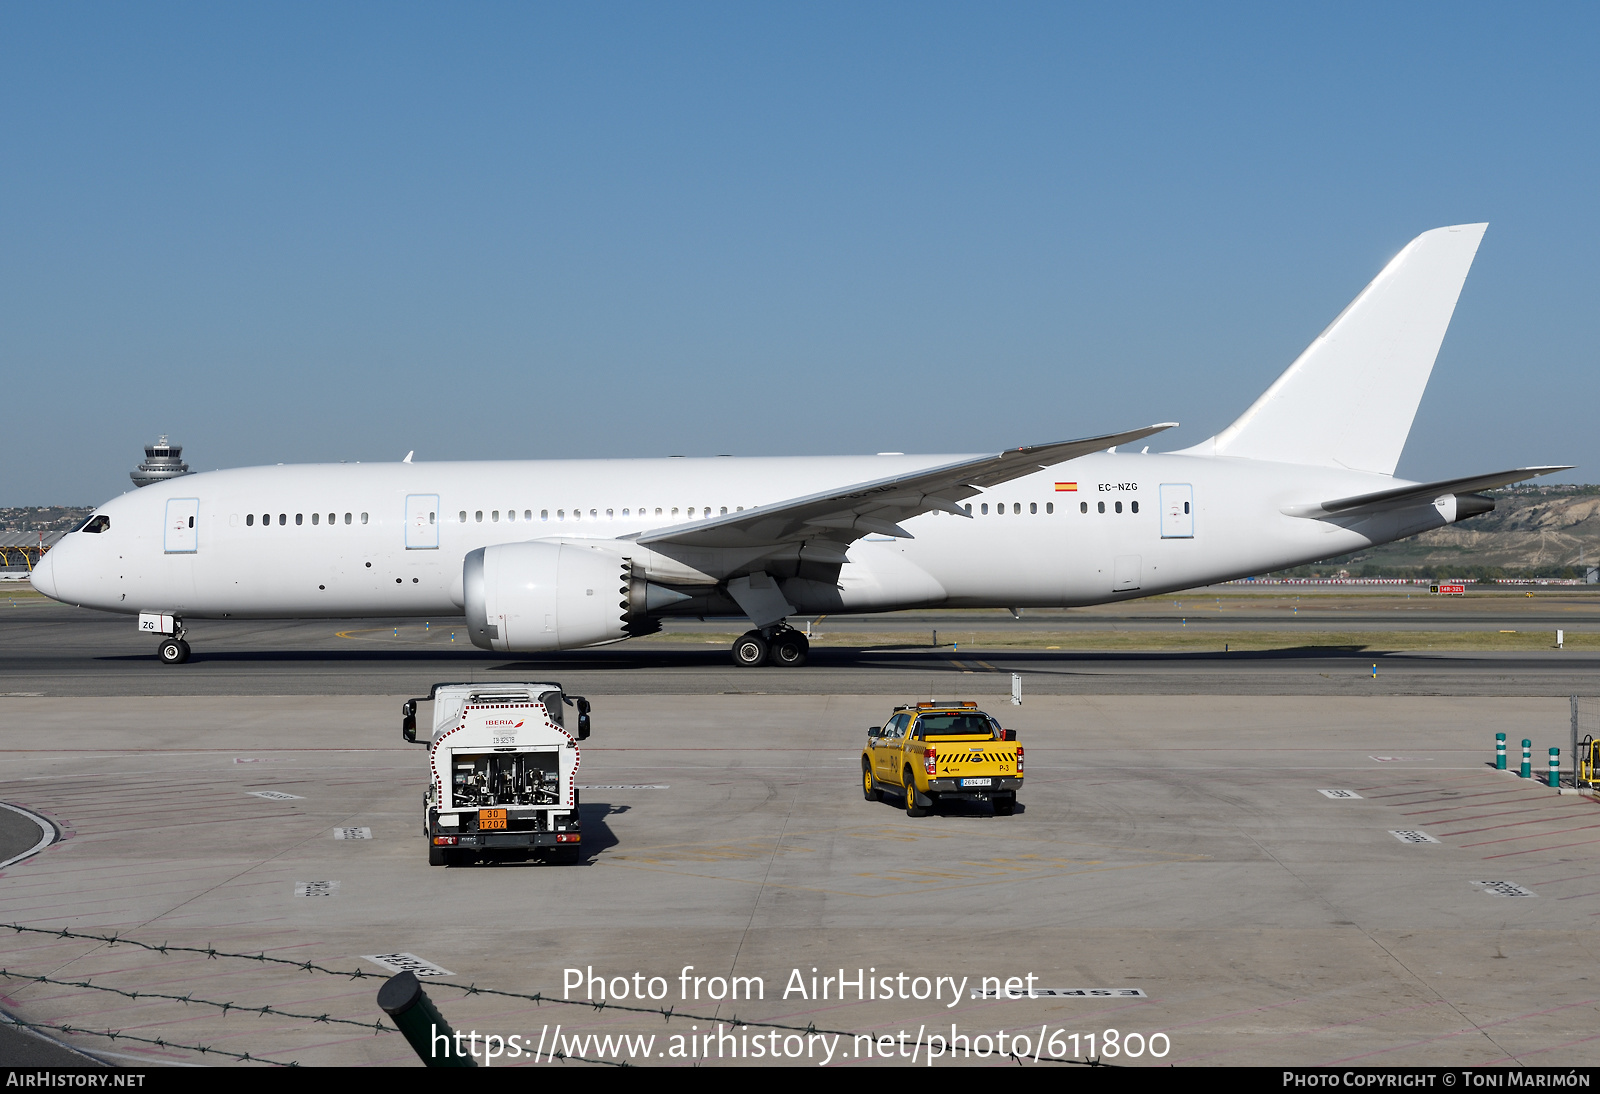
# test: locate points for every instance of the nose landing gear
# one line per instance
(779, 645)
(173, 649)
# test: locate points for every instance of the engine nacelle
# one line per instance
(546, 596)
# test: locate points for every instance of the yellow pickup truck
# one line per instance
(942, 751)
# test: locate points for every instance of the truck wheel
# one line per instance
(1005, 805)
(912, 808)
(869, 785)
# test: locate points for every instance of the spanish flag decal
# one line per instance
(1066, 487)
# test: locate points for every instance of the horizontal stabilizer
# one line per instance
(1417, 492)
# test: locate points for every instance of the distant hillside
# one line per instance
(1543, 531)
(43, 518)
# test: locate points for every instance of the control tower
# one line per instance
(162, 461)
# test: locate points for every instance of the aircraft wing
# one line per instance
(1426, 491)
(847, 514)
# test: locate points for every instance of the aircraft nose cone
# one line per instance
(43, 577)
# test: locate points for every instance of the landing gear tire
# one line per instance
(1005, 805)
(750, 650)
(174, 651)
(790, 649)
(912, 808)
(869, 785)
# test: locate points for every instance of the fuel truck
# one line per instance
(502, 768)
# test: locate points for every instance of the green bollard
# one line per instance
(1527, 758)
(1555, 767)
(1499, 751)
(403, 999)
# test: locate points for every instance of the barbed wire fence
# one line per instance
(468, 990)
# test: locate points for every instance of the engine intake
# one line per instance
(545, 596)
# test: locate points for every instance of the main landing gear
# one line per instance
(779, 645)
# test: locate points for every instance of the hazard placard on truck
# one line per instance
(503, 762)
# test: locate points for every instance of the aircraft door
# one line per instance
(181, 536)
(422, 522)
(1177, 510)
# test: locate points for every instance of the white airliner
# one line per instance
(550, 555)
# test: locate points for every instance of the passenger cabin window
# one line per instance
(1083, 507)
(494, 517)
(984, 508)
(1049, 507)
(316, 518)
(478, 516)
(527, 514)
(463, 516)
(347, 517)
(1134, 506)
(1033, 507)
(249, 520)
(299, 518)
(1101, 505)
(333, 518)
(1118, 504)
(544, 514)
(283, 518)
(96, 525)
(363, 518)
(1016, 509)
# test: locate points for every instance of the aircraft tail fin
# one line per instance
(1350, 398)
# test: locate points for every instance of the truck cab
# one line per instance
(502, 771)
(942, 751)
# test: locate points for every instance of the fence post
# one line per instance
(1574, 753)
(403, 999)
(1527, 758)
(1555, 767)
(1499, 751)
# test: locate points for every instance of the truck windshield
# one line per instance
(953, 725)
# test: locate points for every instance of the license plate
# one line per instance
(977, 782)
(491, 818)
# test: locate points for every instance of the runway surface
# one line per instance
(1274, 858)
(1256, 880)
(51, 649)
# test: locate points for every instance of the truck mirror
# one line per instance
(584, 724)
(409, 708)
(874, 731)
(408, 728)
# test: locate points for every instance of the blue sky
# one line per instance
(287, 232)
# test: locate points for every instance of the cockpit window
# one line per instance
(97, 524)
